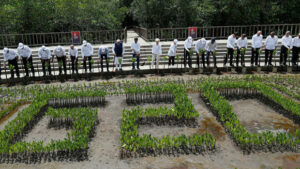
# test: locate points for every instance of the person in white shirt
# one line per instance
(200, 50)
(270, 46)
(156, 52)
(256, 45)
(172, 52)
(242, 44)
(60, 54)
(118, 51)
(25, 54)
(286, 45)
(45, 56)
(296, 50)
(230, 48)
(12, 57)
(87, 51)
(73, 52)
(136, 47)
(188, 44)
(211, 47)
(103, 53)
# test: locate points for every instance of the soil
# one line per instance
(41, 132)
(257, 117)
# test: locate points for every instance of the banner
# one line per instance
(193, 32)
(76, 37)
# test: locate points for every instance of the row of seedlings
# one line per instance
(265, 141)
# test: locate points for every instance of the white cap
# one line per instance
(5, 50)
(157, 40)
(190, 38)
(43, 47)
(175, 40)
(118, 40)
(21, 45)
(84, 42)
(203, 39)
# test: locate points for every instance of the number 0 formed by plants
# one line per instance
(183, 114)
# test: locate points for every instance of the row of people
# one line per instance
(202, 48)
(287, 44)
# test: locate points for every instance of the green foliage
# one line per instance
(60, 15)
(231, 122)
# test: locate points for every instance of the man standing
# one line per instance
(172, 52)
(25, 54)
(73, 51)
(211, 47)
(200, 50)
(118, 51)
(188, 43)
(45, 56)
(156, 52)
(87, 52)
(256, 45)
(285, 47)
(230, 48)
(60, 54)
(12, 57)
(242, 44)
(296, 49)
(103, 53)
(270, 46)
(135, 47)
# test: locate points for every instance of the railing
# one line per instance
(61, 38)
(220, 32)
(142, 32)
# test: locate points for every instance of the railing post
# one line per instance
(125, 35)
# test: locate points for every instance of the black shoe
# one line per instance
(231, 65)
(270, 64)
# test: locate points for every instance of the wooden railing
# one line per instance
(61, 38)
(219, 32)
(142, 32)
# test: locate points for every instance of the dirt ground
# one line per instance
(38, 132)
(104, 148)
(257, 117)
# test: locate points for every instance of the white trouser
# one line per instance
(155, 57)
(118, 64)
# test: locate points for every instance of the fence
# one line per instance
(61, 38)
(220, 32)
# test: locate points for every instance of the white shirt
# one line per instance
(188, 44)
(257, 41)
(87, 50)
(24, 52)
(10, 55)
(172, 50)
(200, 44)
(231, 42)
(44, 54)
(59, 52)
(242, 43)
(73, 52)
(136, 47)
(211, 47)
(296, 42)
(287, 41)
(271, 42)
(156, 49)
(103, 50)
